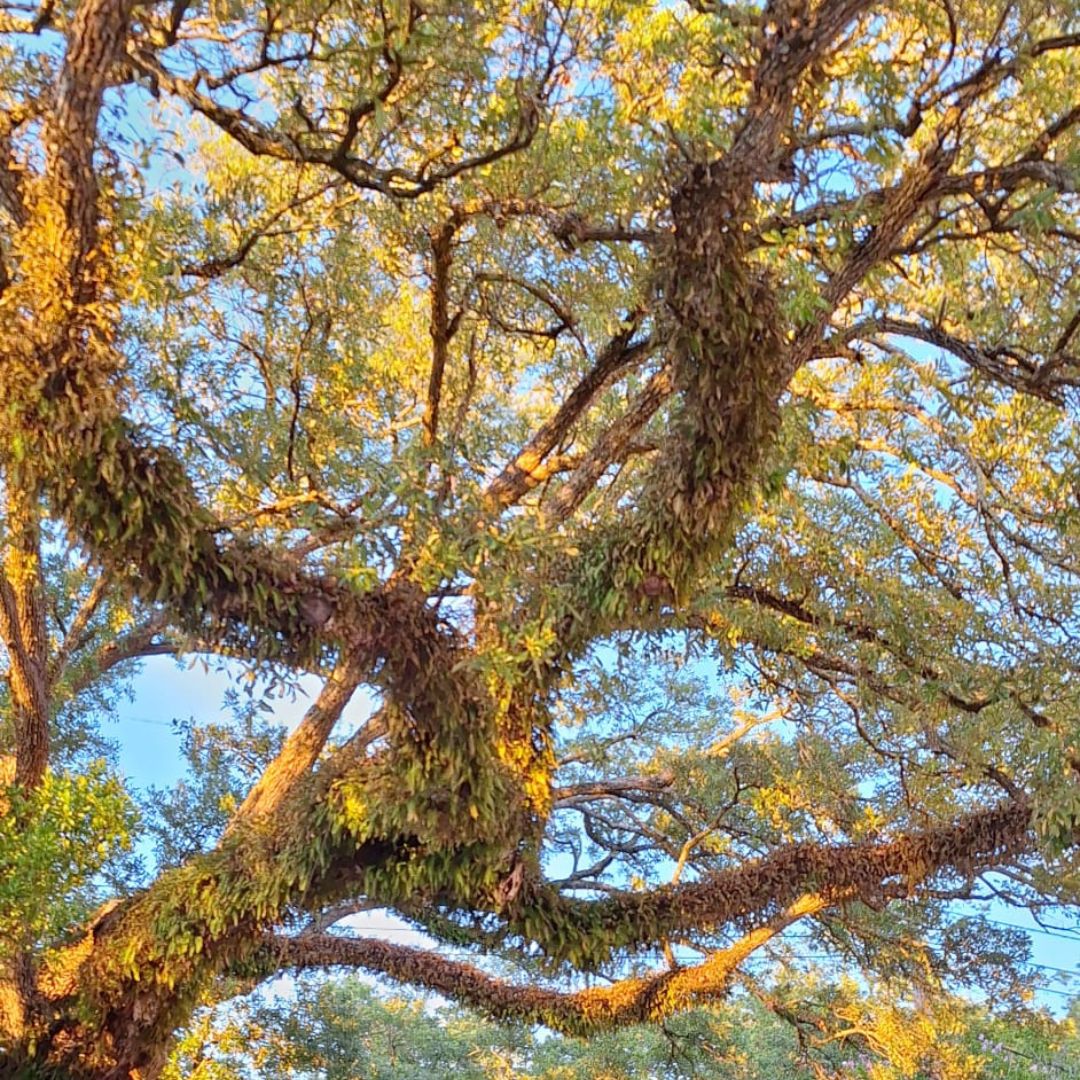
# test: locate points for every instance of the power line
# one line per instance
(1064, 935)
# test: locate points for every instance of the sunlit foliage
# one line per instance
(664, 415)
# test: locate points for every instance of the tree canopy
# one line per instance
(666, 414)
(339, 1029)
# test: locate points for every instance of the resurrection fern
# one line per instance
(680, 469)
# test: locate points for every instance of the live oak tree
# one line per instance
(667, 415)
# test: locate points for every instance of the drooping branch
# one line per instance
(583, 1012)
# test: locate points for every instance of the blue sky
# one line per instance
(150, 755)
(150, 746)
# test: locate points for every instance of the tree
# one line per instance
(667, 413)
(342, 1029)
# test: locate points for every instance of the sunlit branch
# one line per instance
(627, 1001)
(610, 446)
(303, 746)
(618, 355)
(24, 634)
(870, 869)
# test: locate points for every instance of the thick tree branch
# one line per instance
(583, 1012)
(303, 746)
(868, 869)
(137, 643)
(1046, 379)
(324, 920)
(442, 800)
(442, 327)
(610, 446)
(792, 38)
(96, 43)
(645, 787)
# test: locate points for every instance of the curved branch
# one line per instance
(1000, 365)
(868, 870)
(582, 1012)
(264, 141)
